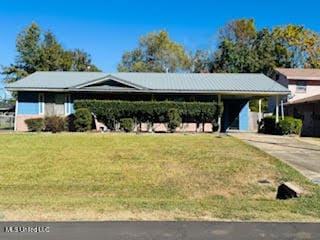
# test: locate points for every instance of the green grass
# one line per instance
(118, 176)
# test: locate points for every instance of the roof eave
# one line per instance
(303, 78)
(31, 89)
(163, 91)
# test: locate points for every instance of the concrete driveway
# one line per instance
(303, 155)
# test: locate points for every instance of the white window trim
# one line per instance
(41, 103)
(16, 114)
(67, 107)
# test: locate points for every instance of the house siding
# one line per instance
(235, 110)
(244, 118)
(28, 106)
(312, 88)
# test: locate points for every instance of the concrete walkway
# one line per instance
(303, 155)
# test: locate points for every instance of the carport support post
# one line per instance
(260, 111)
(282, 112)
(16, 114)
(219, 117)
(277, 108)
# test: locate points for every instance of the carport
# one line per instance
(236, 108)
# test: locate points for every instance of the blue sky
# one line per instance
(105, 29)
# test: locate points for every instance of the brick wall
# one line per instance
(21, 125)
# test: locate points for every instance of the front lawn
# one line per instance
(167, 177)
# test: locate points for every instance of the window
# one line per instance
(301, 86)
(41, 103)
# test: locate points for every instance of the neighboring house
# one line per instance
(6, 108)
(303, 101)
(53, 93)
(6, 115)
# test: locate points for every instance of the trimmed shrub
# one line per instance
(298, 126)
(55, 124)
(35, 124)
(268, 125)
(288, 125)
(126, 124)
(82, 120)
(174, 119)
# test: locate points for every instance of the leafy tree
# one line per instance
(200, 61)
(302, 45)
(156, 53)
(50, 54)
(234, 53)
(27, 45)
(81, 61)
(241, 31)
(244, 49)
(269, 53)
(233, 58)
(235, 50)
(39, 51)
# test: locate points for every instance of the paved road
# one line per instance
(165, 230)
(300, 154)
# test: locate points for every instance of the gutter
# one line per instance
(222, 92)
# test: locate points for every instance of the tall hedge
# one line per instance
(174, 119)
(110, 111)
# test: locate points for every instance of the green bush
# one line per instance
(82, 120)
(35, 124)
(110, 111)
(288, 125)
(174, 119)
(55, 124)
(70, 123)
(215, 126)
(268, 125)
(298, 126)
(126, 124)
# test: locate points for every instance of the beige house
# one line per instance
(304, 99)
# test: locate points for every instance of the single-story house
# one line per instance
(53, 93)
(304, 99)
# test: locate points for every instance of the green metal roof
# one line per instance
(149, 82)
(55, 79)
